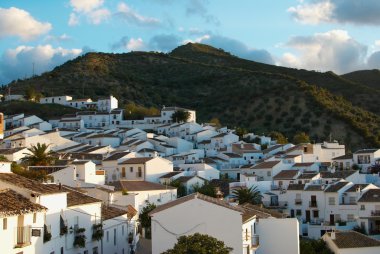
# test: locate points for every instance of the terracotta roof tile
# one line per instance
(13, 203)
(353, 239)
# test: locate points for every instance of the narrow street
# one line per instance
(144, 246)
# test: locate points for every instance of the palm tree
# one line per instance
(40, 156)
(244, 195)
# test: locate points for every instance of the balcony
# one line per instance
(255, 241)
(313, 204)
(375, 213)
(23, 236)
(298, 201)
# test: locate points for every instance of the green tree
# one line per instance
(32, 95)
(308, 246)
(3, 158)
(40, 156)
(300, 138)
(279, 137)
(181, 189)
(247, 195)
(207, 189)
(40, 175)
(180, 116)
(199, 244)
(145, 219)
(216, 122)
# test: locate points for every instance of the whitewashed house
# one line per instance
(365, 158)
(348, 242)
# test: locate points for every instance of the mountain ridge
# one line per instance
(240, 92)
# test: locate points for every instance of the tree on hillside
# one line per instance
(32, 95)
(145, 219)
(200, 244)
(279, 137)
(251, 195)
(180, 116)
(40, 156)
(216, 122)
(300, 138)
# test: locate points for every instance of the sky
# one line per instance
(322, 35)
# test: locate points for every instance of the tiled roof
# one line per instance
(372, 195)
(116, 156)
(139, 186)
(171, 174)
(139, 160)
(184, 179)
(336, 186)
(102, 135)
(338, 174)
(270, 149)
(29, 184)
(80, 162)
(259, 212)
(75, 197)
(196, 196)
(307, 175)
(354, 187)
(343, 157)
(13, 203)
(353, 239)
(221, 135)
(366, 151)
(296, 187)
(286, 174)
(109, 212)
(11, 150)
(233, 155)
(303, 164)
(266, 164)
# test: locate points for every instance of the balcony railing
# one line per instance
(23, 236)
(375, 213)
(298, 201)
(313, 204)
(255, 241)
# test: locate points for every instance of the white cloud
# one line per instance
(135, 44)
(59, 38)
(131, 16)
(334, 50)
(93, 10)
(17, 22)
(313, 13)
(86, 6)
(73, 19)
(17, 63)
(360, 12)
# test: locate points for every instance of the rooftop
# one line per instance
(13, 204)
(286, 174)
(372, 195)
(116, 156)
(336, 187)
(139, 160)
(75, 197)
(266, 164)
(353, 239)
(29, 184)
(139, 186)
(109, 212)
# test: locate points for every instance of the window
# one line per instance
(34, 217)
(331, 200)
(122, 230)
(123, 172)
(114, 236)
(299, 212)
(362, 207)
(269, 173)
(139, 173)
(5, 224)
(316, 214)
(131, 169)
(352, 200)
(350, 217)
(108, 236)
(364, 159)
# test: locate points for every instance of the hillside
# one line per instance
(239, 92)
(370, 78)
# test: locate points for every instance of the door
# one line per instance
(332, 222)
(292, 213)
(238, 176)
(307, 215)
(313, 201)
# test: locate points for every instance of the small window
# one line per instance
(114, 236)
(108, 236)
(131, 169)
(299, 212)
(269, 173)
(362, 207)
(5, 224)
(331, 200)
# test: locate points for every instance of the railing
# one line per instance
(313, 204)
(255, 241)
(298, 201)
(375, 213)
(23, 236)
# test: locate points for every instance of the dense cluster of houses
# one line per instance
(108, 169)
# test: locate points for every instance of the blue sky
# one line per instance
(322, 35)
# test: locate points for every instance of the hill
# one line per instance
(239, 92)
(370, 78)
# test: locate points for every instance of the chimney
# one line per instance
(333, 237)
